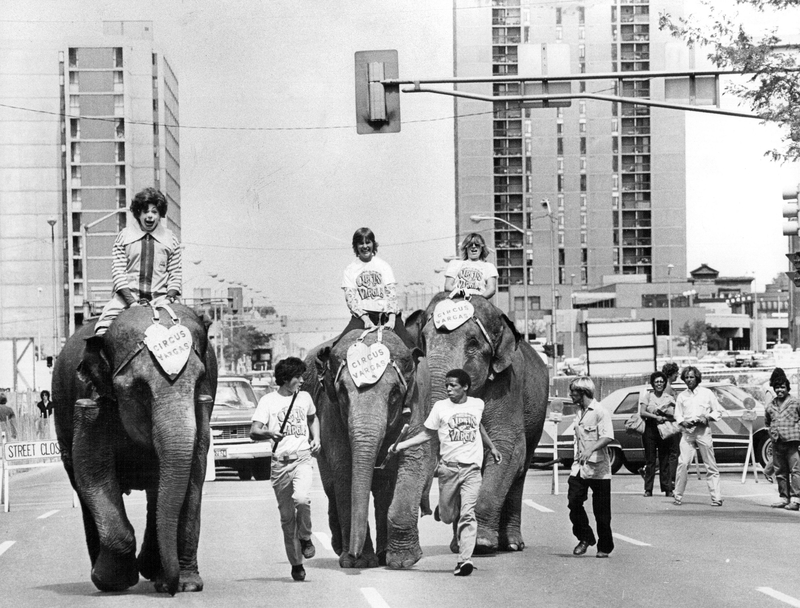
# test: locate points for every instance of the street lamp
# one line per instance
(482, 218)
(669, 308)
(571, 319)
(85, 253)
(52, 221)
(549, 212)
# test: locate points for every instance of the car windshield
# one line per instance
(235, 394)
(730, 397)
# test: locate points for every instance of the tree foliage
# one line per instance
(241, 340)
(697, 334)
(772, 85)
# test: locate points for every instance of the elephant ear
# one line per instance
(414, 324)
(504, 351)
(95, 369)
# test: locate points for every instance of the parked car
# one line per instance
(234, 407)
(730, 433)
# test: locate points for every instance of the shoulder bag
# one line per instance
(635, 424)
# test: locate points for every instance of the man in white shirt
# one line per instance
(695, 408)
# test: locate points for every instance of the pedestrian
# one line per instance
(457, 422)
(7, 418)
(670, 370)
(288, 418)
(45, 405)
(591, 469)
(146, 267)
(656, 408)
(695, 409)
(782, 418)
(370, 290)
(472, 274)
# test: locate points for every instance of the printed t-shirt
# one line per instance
(458, 426)
(471, 276)
(271, 411)
(369, 280)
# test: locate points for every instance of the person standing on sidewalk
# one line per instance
(782, 417)
(287, 417)
(591, 469)
(695, 409)
(457, 421)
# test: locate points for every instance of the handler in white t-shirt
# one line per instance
(298, 441)
(370, 290)
(457, 421)
(472, 274)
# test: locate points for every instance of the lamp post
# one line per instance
(481, 218)
(669, 309)
(52, 221)
(571, 319)
(549, 212)
(85, 254)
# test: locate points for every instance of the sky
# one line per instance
(274, 178)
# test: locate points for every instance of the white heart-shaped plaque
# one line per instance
(450, 314)
(367, 363)
(171, 346)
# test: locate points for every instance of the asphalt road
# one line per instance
(743, 554)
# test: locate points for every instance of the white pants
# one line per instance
(699, 438)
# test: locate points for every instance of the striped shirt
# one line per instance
(147, 263)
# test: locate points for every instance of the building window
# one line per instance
(75, 128)
(74, 82)
(76, 177)
(74, 103)
(583, 146)
(581, 15)
(560, 146)
(534, 303)
(75, 152)
(73, 58)
(120, 175)
(118, 82)
(558, 16)
(120, 152)
(117, 57)
(583, 183)
(119, 129)
(119, 105)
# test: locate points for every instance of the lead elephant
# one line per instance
(512, 380)
(357, 424)
(142, 430)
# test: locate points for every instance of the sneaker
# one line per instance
(602, 554)
(780, 504)
(307, 547)
(793, 506)
(716, 503)
(463, 568)
(298, 573)
(677, 502)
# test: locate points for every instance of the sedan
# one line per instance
(730, 433)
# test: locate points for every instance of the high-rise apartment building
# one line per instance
(94, 120)
(613, 174)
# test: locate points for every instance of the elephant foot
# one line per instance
(486, 543)
(149, 564)
(511, 541)
(400, 560)
(188, 582)
(114, 572)
(365, 560)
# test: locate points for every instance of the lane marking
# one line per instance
(5, 546)
(632, 541)
(788, 599)
(324, 540)
(532, 504)
(48, 514)
(374, 598)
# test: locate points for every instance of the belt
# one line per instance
(292, 457)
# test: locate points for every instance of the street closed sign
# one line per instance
(31, 449)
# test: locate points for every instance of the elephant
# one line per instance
(124, 424)
(357, 425)
(512, 380)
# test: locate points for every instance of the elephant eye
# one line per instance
(473, 343)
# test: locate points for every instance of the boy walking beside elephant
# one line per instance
(287, 417)
(457, 421)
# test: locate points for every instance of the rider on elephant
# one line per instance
(472, 274)
(147, 260)
(370, 290)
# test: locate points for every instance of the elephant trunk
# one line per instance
(174, 435)
(367, 431)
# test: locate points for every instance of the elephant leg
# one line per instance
(114, 568)
(328, 486)
(510, 532)
(383, 490)
(367, 559)
(149, 560)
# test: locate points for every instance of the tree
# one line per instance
(772, 88)
(694, 335)
(241, 340)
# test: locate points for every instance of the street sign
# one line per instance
(31, 449)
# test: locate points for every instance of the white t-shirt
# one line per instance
(369, 280)
(458, 426)
(470, 275)
(271, 411)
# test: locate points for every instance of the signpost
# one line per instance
(747, 418)
(556, 416)
(16, 454)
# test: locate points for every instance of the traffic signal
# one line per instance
(794, 259)
(791, 211)
(377, 104)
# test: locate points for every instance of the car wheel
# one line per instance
(763, 448)
(633, 467)
(261, 469)
(617, 459)
(245, 472)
